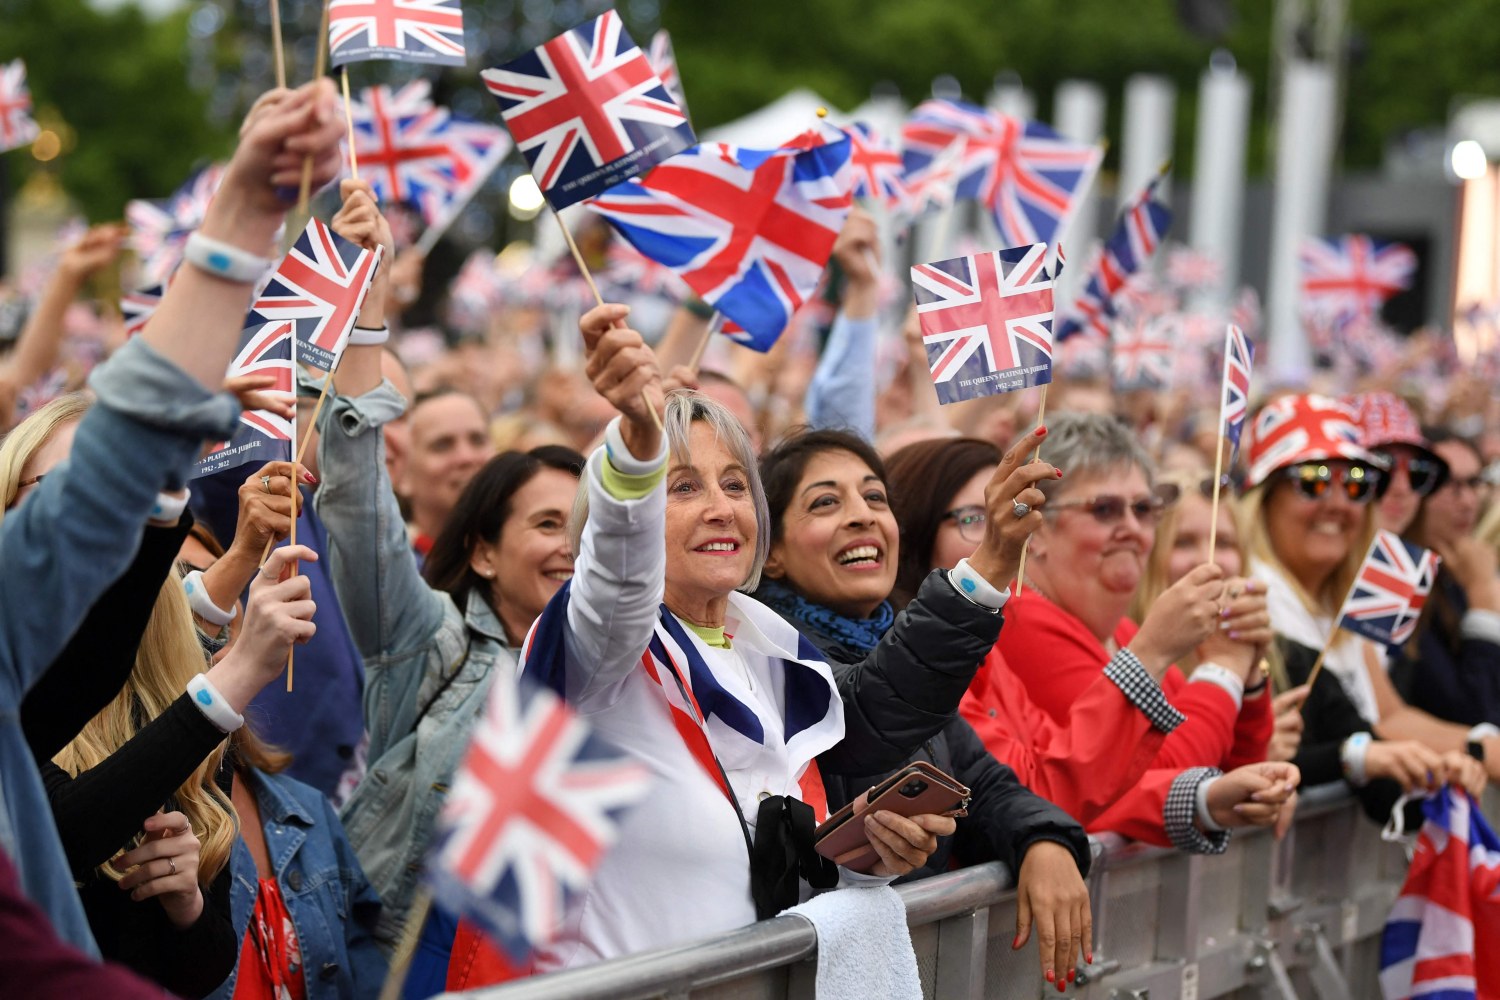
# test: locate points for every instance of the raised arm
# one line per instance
(842, 392)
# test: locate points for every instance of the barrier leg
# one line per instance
(963, 946)
(1273, 981)
(1323, 969)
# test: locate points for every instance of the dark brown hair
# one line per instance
(481, 513)
(782, 468)
(924, 478)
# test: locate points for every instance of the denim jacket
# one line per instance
(60, 549)
(331, 903)
(428, 663)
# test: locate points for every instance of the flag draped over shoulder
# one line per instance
(1442, 939)
(986, 321)
(588, 110)
(319, 287)
(749, 230)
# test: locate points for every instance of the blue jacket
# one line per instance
(61, 548)
(332, 904)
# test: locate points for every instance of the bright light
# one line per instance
(1468, 160)
(46, 146)
(526, 198)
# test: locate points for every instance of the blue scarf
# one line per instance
(851, 638)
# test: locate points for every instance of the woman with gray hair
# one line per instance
(730, 708)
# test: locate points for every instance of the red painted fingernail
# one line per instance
(308, 477)
(1041, 431)
(1050, 976)
(1016, 943)
(1072, 974)
(1088, 957)
(1059, 473)
(1062, 987)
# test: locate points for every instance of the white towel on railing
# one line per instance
(864, 948)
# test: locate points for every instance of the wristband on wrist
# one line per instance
(168, 508)
(1477, 736)
(224, 260)
(364, 336)
(976, 588)
(1205, 818)
(1352, 758)
(203, 605)
(213, 706)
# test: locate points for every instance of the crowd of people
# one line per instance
(772, 579)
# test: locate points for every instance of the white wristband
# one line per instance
(976, 588)
(364, 337)
(1205, 818)
(213, 706)
(224, 260)
(168, 508)
(203, 605)
(1483, 731)
(1232, 683)
(1352, 758)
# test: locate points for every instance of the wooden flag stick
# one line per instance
(411, 934)
(319, 68)
(599, 299)
(1041, 413)
(697, 358)
(1318, 665)
(349, 119)
(276, 49)
(1213, 516)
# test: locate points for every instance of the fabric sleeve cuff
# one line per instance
(623, 462)
(1142, 691)
(1180, 812)
(1231, 682)
(141, 383)
(357, 415)
(976, 588)
(1482, 625)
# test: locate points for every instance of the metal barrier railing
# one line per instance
(1299, 918)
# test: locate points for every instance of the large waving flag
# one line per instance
(1442, 939)
(664, 61)
(1137, 233)
(934, 186)
(986, 321)
(534, 806)
(17, 128)
(588, 111)
(1028, 176)
(878, 174)
(319, 287)
(1352, 276)
(421, 31)
(1391, 579)
(748, 230)
(262, 436)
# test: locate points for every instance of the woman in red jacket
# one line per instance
(1078, 762)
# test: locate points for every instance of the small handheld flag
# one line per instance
(1138, 232)
(419, 31)
(1380, 604)
(17, 128)
(319, 287)
(1141, 354)
(262, 436)
(588, 111)
(986, 321)
(664, 61)
(878, 174)
(1234, 403)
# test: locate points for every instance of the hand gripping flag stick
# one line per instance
(1041, 414)
(319, 68)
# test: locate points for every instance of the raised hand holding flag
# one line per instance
(1234, 405)
(17, 128)
(420, 31)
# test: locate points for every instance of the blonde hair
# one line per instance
(1488, 530)
(28, 437)
(168, 657)
(1158, 577)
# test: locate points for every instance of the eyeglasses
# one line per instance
(970, 519)
(1316, 480)
(1426, 475)
(1110, 508)
(1206, 487)
(1477, 484)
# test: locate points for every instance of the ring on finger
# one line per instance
(172, 864)
(1020, 509)
(265, 481)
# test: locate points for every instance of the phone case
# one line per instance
(916, 789)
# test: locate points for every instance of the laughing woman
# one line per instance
(721, 699)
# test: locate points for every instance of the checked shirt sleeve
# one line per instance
(1128, 673)
(1181, 810)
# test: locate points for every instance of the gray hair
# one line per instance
(1086, 444)
(684, 408)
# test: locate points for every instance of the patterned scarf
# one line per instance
(853, 636)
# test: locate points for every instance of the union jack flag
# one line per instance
(1352, 276)
(17, 128)
(138, 306)
(987, 321)
(748, 230)
(1189, 270)
(421, 31)
(878, 174)
(1442, 939)
(477, 150)
(933, 187)
(629, 268)
(664, 61)
(41, 392)
(1234, 403)
(1141, 354)
(160, 229)
(588, 111)
(402, 143)
(265, 349)
(319, 286)
(534, 806)
(1028, 176)
(1425, 580)
(1137, 234)
(1379, 603)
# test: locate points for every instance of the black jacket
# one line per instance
(1441, 671)
(906, 691)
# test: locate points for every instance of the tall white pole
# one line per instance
(1304, 163)
(1219, 172)
(1078, 114)
(1150, 104)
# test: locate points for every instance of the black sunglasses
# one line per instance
(1316, 480)
(1426, 475)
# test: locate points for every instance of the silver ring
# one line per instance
(172, 864)
(1020, 509)
(266, 482)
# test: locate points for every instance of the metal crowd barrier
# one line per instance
(1280, 921)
